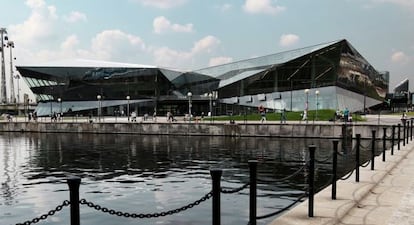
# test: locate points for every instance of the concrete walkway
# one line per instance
(383, 196)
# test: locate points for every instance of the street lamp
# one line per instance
(3, 93)
(305, 113)
(10, 44)
(60, 106)
(210, 97)
(99, 107)
(128, 97)
(17, 76)
(317, 103)
(189, 95)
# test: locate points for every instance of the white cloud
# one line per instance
(75, 16)
(162, 25)
(287, 40)
(220, 60)
(262, 6)
(38, 28)
(115, 44)
(168, 57)
(400, 57)
(206, 44)
(162, 4)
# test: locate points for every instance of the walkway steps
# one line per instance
(376, 199)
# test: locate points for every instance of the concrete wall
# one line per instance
(219, 129)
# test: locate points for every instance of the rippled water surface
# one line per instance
(148, 174)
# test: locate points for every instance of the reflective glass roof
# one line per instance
(273, 59)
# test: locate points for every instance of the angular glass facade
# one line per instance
(275, 81)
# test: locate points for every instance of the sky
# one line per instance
(193, 34)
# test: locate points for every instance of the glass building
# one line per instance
(333, 74)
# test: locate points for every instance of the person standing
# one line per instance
(283, 116)
(346, 114)
(262, 112)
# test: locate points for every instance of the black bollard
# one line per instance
(384, 139)
(216, 176)
(358, 143)
(311, 188)
(392, 139)
(399, 136)
(253, 192)
(74, 183)
(334, 168)
(408, 132)
(404, 127)
(373, 150)
(411, 129)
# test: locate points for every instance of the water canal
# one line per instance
(148, 174)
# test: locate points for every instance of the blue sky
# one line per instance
(192, 34)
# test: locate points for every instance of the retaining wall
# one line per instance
(322, 130)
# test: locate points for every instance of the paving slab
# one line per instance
(384, 196)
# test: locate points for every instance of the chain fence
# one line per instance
(348, 176)
(284, 208)
(366, 164)
(45, 216)
(145, 215)
(284, 178)
(226, 190)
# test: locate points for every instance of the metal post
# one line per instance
(408, 132)
(334, 168)
(311, 188)
(404, 122)
(216, 176)
(384, 139)
(253, 192)
(411, 136)
(399, 135)
(392, 139)
(358, 143)
(373, 150)
(74, 183)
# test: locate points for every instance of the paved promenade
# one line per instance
(383, 196)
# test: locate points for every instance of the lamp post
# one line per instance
(128, 97)
(60, 106)
(3, 93)
(10, 44)
(99, 107)
(189, 95)
(317, 103)
(210, 98)
(17, 77)
(305, 117)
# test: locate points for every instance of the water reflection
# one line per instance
(146, 174)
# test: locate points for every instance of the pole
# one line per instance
(74, 183)
(10, 44)
(3, 93)
(373, 150)
(358, 143)
(216, 176)
(404, 122)
(411, 136)
(253, 192)
(311, 188)
(399, 136)
(334, 168)
(384, 139)
(392, 139)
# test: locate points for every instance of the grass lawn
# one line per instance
(323, 115)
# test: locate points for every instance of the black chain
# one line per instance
(234, 190)
(141, 215)
(44, 216)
